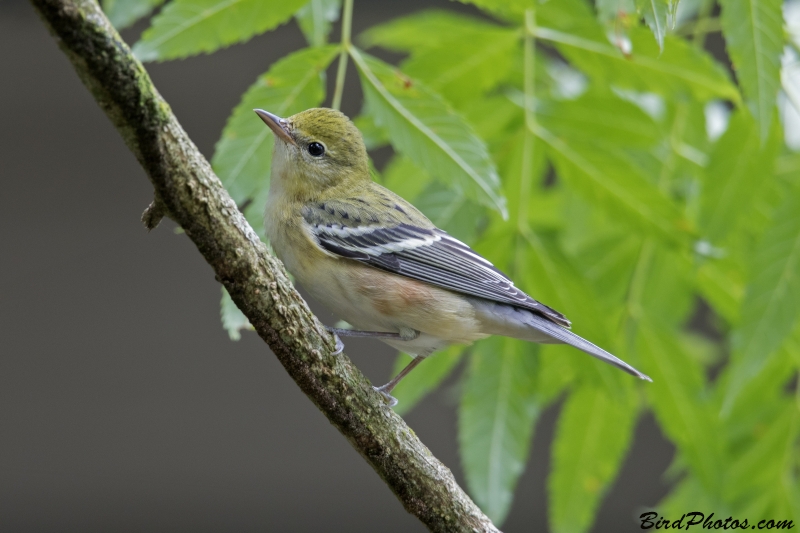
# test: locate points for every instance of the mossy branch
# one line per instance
(187, 191)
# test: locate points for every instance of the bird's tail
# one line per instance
(500, 319)
(565, 336)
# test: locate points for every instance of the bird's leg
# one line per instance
(384, 390)
(405, 334)
(409, 335)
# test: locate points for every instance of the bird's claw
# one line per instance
(339, 348)
(391, 401)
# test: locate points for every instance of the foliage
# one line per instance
(621, 174)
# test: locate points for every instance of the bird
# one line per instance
(379, 263)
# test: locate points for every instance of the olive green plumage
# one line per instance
(378, 262)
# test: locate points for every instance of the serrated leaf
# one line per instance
(738, 168)
(316, 19)
(123, 13)
(601, 119)
(243, 154)
(571, 26)
(677, 396)
(463, 69)
(607, 261)
(593, 434)
(424, 31)
(759, 402)
(771, 305)
(607, 179)
(233, 320)
(753, 31)
(426, 130)
(655, 13)
(757, 468)
(498, 410)
(188, 27)
(761, 398)
(510, 9)
(426, 377)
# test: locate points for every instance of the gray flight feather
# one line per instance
(500, 319)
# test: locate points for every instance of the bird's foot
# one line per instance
(339, 348)
(391, 401)
(408, 334)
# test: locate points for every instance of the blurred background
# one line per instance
(123, 404)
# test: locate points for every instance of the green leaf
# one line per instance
(721, 283)
(610, 11)
(188, 27)
(510, 9)
(737, 170)
(498, 410)
(243, 154)
(123, 13)
(571, 26)
(655, 13)
(665, 289)
(771, 304)
(753, 31)
(689, 493)
(426, 377)
(607, 261)
(233, 320)
(374, 136)
(608, 180)
(403, 177)
(601, 119)
(462, 69)
(424, 31)
(762, 397)
(677, 395)
(762, 463)
(556, 374)
(316, 19)
(451, 210)
(594, 432)
(424, 128)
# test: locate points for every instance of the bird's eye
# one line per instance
(316, 149)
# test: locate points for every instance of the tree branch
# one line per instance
(187, 191)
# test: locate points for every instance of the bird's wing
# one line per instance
(402, 245)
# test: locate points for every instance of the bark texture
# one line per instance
(187, 191)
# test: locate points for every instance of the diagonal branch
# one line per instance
(187, 191)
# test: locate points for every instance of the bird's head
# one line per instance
(316, 150)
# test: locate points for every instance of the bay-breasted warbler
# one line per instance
(378, 262)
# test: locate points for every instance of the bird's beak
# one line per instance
(278, 125)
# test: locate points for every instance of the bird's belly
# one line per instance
(374, 300)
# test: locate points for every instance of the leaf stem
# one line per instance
(347, 24)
